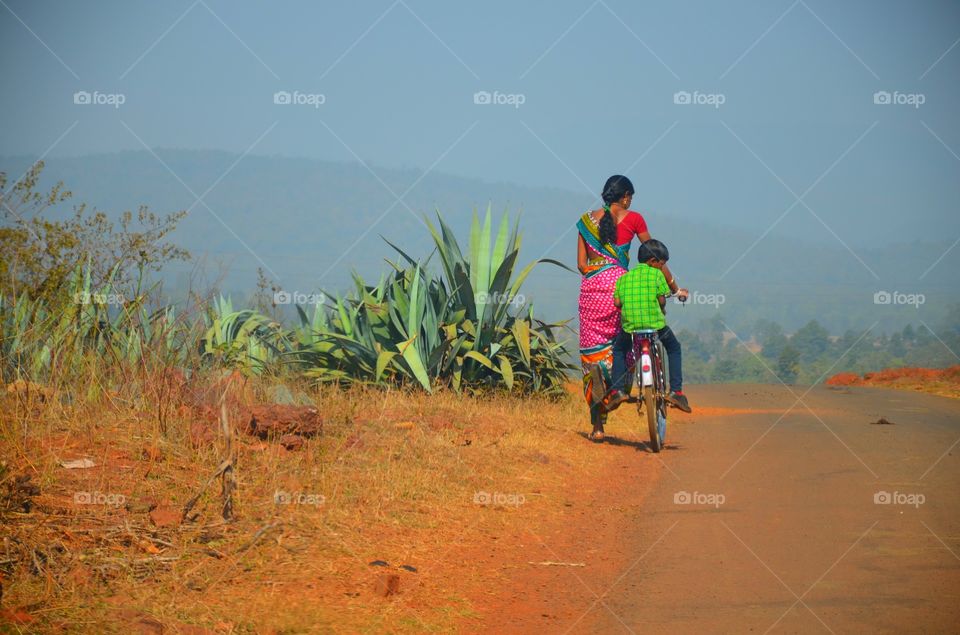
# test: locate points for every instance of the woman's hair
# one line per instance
(652, 249)
(616, 187)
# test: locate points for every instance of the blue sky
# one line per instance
(597, 81)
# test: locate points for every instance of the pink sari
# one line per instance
(599, 317)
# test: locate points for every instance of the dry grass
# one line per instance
(394, 477)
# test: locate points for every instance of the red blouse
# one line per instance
(631, 225)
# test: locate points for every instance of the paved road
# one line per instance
(813, 521)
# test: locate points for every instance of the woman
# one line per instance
(603, 248)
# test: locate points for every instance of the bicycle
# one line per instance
(651, 376)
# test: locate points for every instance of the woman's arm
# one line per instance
(674, 287)
(581, 253)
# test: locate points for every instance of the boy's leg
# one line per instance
(621, 345)
(672, 345)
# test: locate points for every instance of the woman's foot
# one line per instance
(597, 434)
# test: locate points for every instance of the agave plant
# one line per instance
(81, 325)
(455, 328)
(461, 326)
(22, 349)
(490, 340)
(243, 339)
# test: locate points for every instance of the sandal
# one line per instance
(596, 436)
(614, 399)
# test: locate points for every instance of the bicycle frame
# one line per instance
(651, 361)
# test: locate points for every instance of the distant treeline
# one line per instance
(712, 353)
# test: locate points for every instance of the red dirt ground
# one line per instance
(939, 381)
(586, 527)
(578, 523)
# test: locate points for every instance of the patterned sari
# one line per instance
(599, 317)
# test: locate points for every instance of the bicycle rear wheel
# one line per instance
(653, 418)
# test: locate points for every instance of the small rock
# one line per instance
(379, 563)
(208, 536)
(149, 547)
(147, 625)
(276, 420)
(407, 567)
(882, 422)
(165, 517)
(387, 585)
(78, 464)
(539, 457)
(152, 453)
(20, 492)
(291, 442)
(141, 505)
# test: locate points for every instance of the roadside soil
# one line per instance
(823, 509)
(577, 543)
(406, 513)
(489, 516)
(936, 381)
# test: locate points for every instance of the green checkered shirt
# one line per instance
(637, 291)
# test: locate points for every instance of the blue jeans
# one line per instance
(622, 378)
(674, 358)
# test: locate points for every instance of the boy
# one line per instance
(641, 294)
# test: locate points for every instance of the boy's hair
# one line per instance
(652, 249)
